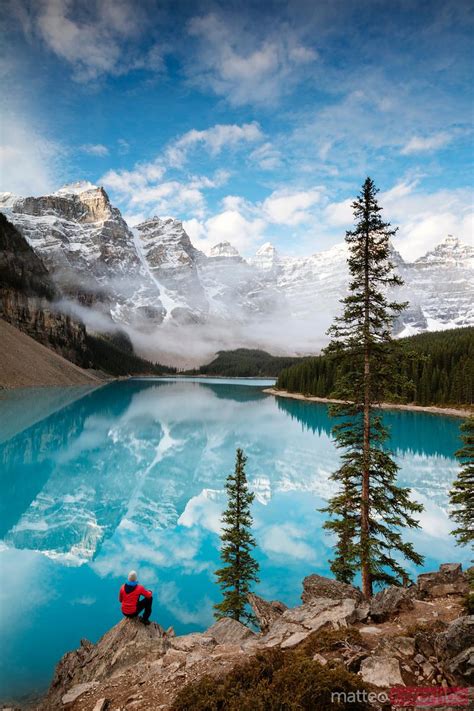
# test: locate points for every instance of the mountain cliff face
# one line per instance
(88, 249)
(152, 275)
(27, 296)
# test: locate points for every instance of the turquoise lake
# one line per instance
(131, 476)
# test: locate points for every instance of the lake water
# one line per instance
(132, 475)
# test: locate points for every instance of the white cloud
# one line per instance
(424, 219)
(95, 42)
(284, 207)
(230, 225)
(95, 149)
(28, 160)
(419, 144)
(145, 189)
(213, 139)
(287, 540)
(267, 157)
(235, 63)
(339, 214)
(147, 186)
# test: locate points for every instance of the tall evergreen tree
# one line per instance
(240, 568)
(462, 493)
(369, 508)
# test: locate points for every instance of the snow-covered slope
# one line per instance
(89, 251)
(152, 276)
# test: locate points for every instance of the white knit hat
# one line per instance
(132, 576)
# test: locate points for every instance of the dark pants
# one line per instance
(143, 604)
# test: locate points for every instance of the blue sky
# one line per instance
(251, 121)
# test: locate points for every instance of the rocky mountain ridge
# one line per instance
(417, 636)
(28, 295)
(152, 275)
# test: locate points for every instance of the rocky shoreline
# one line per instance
(447, 411)
(417, 637)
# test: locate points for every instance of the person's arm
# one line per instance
(143, 591)
(121, 594)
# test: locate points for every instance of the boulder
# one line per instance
(461, 667)
(381, 671)
(389, 602)
(322, 612)
(315, 586)
(122, 646)
(229, 631)
(265, 612)
(298, 622)
(455, 648)
(396, 647)
(449, 580)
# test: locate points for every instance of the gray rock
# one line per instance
(228, 631)
(122, 646)
(77, 690)
(323, 611)
(279, 631)
(193, 641)
(451, 568)
(458, 637)
(298, 622)
(315, 586)
(362, 611)
(461, 667)
(449, 580)
(396, 647)
(381, 671)
(424, 643)
(265, 612)
(389, 602)
(455, 649)
(295, 639)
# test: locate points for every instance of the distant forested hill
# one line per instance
(247, 363)
(440, 366)
(115, 356)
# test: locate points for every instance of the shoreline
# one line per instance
(446, 411)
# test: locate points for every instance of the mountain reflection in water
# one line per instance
(132, 475)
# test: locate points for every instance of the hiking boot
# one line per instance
(145, 622)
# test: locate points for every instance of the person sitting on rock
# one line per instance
(129, 596)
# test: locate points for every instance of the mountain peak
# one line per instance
(266, 249)
(224, 249)
(81, 186)
(451, 241)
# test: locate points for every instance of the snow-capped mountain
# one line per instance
(152, 276)
(88, 250)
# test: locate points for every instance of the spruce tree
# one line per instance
(369, 508)
(240, 568)
(462, 493)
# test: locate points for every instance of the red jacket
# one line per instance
(129, 596)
